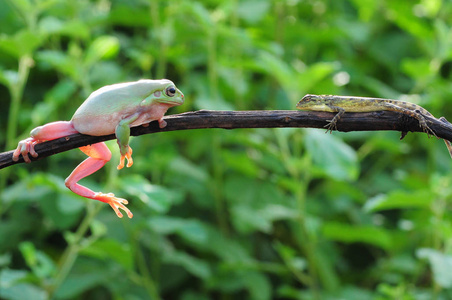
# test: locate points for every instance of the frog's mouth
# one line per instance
(172, 103)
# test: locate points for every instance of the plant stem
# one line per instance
(70, 254)
(162, 41)
(149, 284)
(16, 89)
(220, 209)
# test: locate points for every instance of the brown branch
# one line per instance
(382, 120)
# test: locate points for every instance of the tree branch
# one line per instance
(370, 121)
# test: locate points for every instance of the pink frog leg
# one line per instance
(47, 132)
(98, 154)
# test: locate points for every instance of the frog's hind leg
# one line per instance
(98, 154)
(47, 132)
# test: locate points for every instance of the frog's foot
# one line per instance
(24, 147)
(114, 202)
(127, 155)
(162, 123)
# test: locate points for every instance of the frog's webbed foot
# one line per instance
(47, 132)
(115, 203)
(98, 154)
(25, 147)
(127, 155)
(162, 123)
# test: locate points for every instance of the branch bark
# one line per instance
(370, 121)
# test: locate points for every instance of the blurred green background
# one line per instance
(239, 214)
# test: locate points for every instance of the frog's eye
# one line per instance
(170, 91)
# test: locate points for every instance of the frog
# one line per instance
(111, 109)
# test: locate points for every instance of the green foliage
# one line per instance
(252, 214)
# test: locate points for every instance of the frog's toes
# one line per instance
(115, 203)
(128, 156)
(162, 123)
(25, 147)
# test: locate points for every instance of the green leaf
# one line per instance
(14, 287)
(69, 203)
(254, 192)
(366, 8)
(247, 220)
(5, 260)
(61, 62)
(72, 28)
(191, 264)
(199, 13)
(399, 200)
(50, 25)
(85, 276)
(314, 74)
(280, 70)
(259, 9)
(111, 249)
(332, 156)
(189, 169)
(23, 291)
(32, 188)
(54, 98)
(241, 162)
(402, 13)
(290, 257)
(191, 295)
(9, 78)
(155, 197)
(441, 265)
(42, 266)
(10, 277)
(357, 234)
(128, 13)
(65, 209)
(258, 285)
(420, 68)
(22, 43)
(191, 230)
(103, 47)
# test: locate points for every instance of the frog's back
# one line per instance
(105, 107)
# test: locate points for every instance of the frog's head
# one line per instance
(311, 102)
(163, 91)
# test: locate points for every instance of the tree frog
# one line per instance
(110, 109)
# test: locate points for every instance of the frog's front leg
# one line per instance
(122, 133)
(162, 123)
(98, 154)
(47, 132)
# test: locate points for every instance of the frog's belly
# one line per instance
(89, 123)
(96, 125)
(103, 125)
